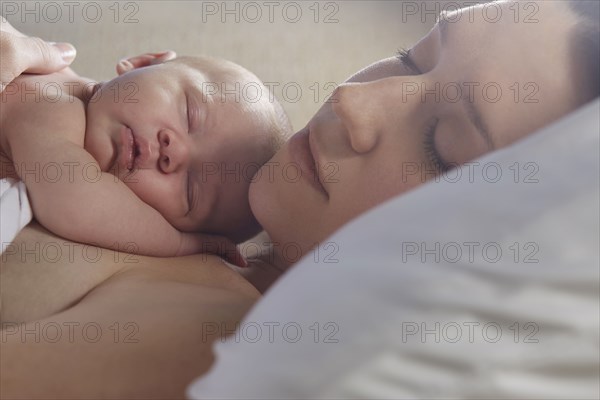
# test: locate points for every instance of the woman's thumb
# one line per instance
(43, 57)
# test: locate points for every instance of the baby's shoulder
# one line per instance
(39, 104)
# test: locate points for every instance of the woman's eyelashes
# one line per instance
(431, 152)
(403, 56)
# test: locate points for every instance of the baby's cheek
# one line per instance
(100, 148)
(151, 191)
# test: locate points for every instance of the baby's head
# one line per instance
(187, 136)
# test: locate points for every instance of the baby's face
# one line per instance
(187, 154)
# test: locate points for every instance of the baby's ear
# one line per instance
(144, 60)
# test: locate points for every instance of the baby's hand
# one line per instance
(144, 60)
(192, 243)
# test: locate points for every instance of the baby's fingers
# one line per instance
(191, 243)
(235, 257)
(226, 249)
(144, 60)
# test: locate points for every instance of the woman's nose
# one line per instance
(173, 153)
(368, 111)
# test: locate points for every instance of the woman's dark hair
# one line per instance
(586, 42)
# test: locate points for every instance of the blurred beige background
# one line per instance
(301, 46)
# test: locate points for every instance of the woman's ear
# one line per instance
(144, 60)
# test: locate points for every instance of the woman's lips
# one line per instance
(302, 155)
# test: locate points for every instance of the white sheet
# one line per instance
(15, 211)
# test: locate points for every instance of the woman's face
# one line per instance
(468, 87)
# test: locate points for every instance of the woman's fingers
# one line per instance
(30, 54)
(44, 58)
(33, 54)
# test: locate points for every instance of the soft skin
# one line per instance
(369, 138)
(172, 300)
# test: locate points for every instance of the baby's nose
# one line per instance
(173, 154)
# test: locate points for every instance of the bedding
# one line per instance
(485, 286)
(15, 211)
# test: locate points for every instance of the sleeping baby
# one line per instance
(160, 157)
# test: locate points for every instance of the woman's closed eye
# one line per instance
(431, 152)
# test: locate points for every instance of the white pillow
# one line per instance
(15, 211)
(362, 318)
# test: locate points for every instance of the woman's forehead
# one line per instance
(477, 30)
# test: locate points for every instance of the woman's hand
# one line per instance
(21, 53)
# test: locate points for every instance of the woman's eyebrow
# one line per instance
(475, 117)
(404, 55)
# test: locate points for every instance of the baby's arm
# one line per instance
(73, 198)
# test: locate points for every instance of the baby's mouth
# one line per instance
(129, 149)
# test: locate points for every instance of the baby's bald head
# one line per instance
(262, 125)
